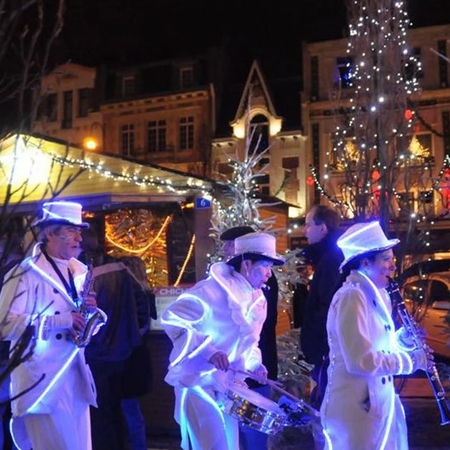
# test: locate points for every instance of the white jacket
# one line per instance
(223, 313)
(30, 291)
(360, 410)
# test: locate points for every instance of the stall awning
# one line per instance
(34, 168)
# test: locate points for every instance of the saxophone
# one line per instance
(411, 328)
(93, 320)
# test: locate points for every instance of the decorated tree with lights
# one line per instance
(377, 167)
(240, 202)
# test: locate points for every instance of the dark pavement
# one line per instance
(422, 414)
(424, 430)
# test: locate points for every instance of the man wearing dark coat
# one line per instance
(123, 300)
(322, 231)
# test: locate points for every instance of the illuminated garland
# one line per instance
(144, 249)
(134, 178)
(185, 263)
(374, 116)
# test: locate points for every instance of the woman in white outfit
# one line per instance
(361, 410)
(215, 328)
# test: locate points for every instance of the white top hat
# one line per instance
(363, 238)
(64, 213)
(256, 246)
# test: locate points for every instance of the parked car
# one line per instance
(428, 299)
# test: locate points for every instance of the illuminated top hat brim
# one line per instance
(256, 246)
(363, 238)
(61, 213)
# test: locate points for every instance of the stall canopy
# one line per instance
(35, 168)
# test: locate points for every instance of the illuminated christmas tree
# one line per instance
(379, 163)
(376, 166)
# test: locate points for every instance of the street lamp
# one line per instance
(95, 141)
(90, 143)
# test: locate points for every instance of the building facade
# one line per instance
(327, 71)
(181, 114)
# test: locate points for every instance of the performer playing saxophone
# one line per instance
(93, 318)
(361, 410)
(42, 291)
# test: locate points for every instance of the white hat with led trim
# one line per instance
(363, 238)
(256, 246)
(61, 213)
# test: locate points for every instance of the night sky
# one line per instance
(127, 31)
(132, 31)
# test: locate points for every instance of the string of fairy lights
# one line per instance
(376, 33)
(135, 178)
(372, 141)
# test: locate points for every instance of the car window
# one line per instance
(416, 291)
(438, 291)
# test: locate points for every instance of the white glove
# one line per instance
(260, 374)
(420, 360)
(56, 322)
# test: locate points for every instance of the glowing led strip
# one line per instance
(55, 379)
(52, 282)
(177, 321)
(184, 425)
(394, 344)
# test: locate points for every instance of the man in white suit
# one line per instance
(53, 388)
(215, 328)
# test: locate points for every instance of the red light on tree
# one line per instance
(375, 175)
(409, 114)
(310, 181)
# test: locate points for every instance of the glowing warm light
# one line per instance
(188, 257)
(116, 243)
(408, 114)
(90, 143)
(25, 165)
(294, 212)
(275, 126)
(239, 129)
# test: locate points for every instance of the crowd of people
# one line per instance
(83, 320)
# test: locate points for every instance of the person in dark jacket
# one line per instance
(322, 231)
(121, 298)
(137, 375)
(251, 439)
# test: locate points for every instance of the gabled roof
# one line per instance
(281, 95)
(255, 80)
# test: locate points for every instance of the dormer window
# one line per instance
(186, 77)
